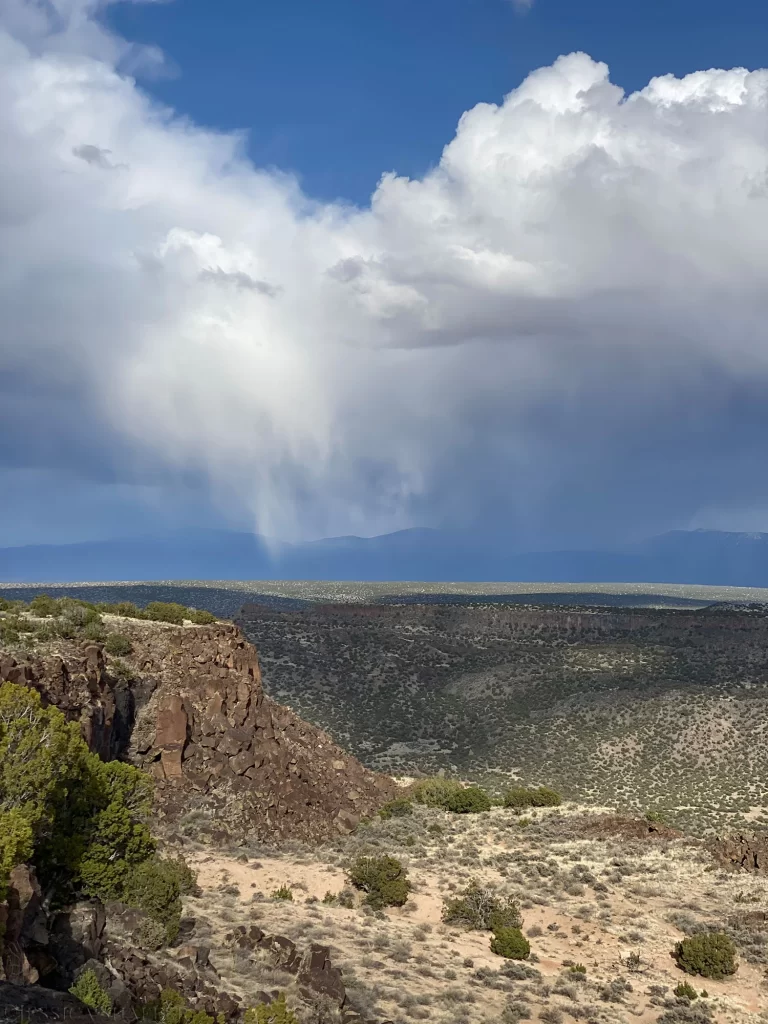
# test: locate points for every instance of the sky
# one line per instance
(316, 269)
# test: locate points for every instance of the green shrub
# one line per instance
(170, 1008)
(161, 611)
(275, 1012)
(480, 907)
(94, 630)
(201, 617)
(118, 840)
(118, 644)
(510, 943)
(546, 797)
(90, 993)
(399, 808)
(471, 800)
(685, 991)
(153, 887)
(185, 876)
(577, 969)
(382, 879)
(44, 606)
(709, 954)
(81, 820)
(151, 935)
(283, 893)
(15, 848)
(125, 609)
(518, 797)
(435, 792)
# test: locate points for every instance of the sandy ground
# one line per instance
(407, 964)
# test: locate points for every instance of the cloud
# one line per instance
(522, 6)
(560, 329)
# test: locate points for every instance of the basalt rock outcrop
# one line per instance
(190, 708)
(742, 853)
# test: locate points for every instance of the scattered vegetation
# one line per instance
(47, 618)
(171, 1008)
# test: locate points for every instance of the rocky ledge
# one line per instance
(188, 706)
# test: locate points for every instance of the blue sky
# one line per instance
(340, 91)
(314, 269)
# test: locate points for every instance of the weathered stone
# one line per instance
(171, 735)
(742, 852)
(242, 762)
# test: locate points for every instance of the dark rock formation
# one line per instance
(742, 852)
(195, 716)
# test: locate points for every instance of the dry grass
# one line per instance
(593, 902)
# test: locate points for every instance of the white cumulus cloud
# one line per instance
(560, 327)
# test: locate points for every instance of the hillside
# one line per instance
(646, 708)
(279, 829)
(704, 557)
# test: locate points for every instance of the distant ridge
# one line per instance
(706, 557)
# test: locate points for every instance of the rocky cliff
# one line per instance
(188, 706)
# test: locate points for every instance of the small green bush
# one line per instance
(118, 644)
(275, 1012)
(153, 886)
(162, 611)
(435, 792)
(125, 609)
(94, 630)
(186, 877)
(472, 800)
(90, 993)
(44, 606)
(686, 991)
(170, 1008)
(382, 879)
(283, 893)
(709, 954)
(510, 943)
(518, 797)
(546, 797)
(479, 907)
(201, 617)
(151, 935)
(399, 808)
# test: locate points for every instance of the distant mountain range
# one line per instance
(699, 556)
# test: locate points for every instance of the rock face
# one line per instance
(195, 715)
(25, 928)
(742, 852)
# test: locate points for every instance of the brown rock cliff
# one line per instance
(194, 714)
